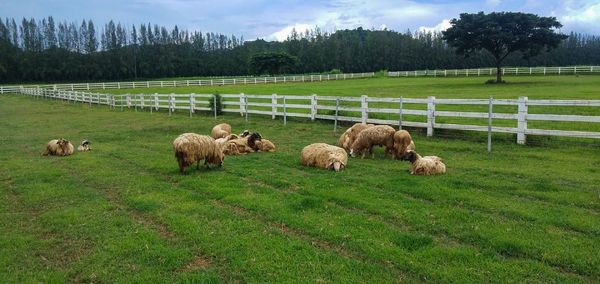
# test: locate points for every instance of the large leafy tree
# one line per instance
(272, 62)
(503, 33)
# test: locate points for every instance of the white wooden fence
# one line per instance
(188, 83)
(569, 70)
(354, 109)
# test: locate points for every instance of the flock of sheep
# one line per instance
(359, 139)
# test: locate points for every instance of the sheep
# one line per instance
(58, 147)
(220, 131)
(402, 143)
(265, 145)
(192, 147)
(324, 156)
(380, 135)
(244, 133)
(224, 140)
(428, 165)
(348, 137)
(84, 146)
(242, 145)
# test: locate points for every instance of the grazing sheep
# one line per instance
(84, 147)
(58, 147)
(380, 135)
(350, 135)
(191, 148)
(220, 131)
(428, 165)
(402, 143)
(242, 145)
(265, 145)
(324, 156)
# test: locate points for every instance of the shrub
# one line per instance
(219, 105)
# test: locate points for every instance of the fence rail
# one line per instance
(356, 109)
(188, 83)
(568, 70)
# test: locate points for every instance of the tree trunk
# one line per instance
(498, 72)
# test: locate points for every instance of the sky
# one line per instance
(274, 20)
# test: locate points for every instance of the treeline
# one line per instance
(43, 50)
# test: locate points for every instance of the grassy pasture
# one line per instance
(121, 213)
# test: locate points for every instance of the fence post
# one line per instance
(142, 103)
(246, 107)
(558, 70)
(170, 104)
(90, 99)
(192, 103)
(490, 114)
(215, 104)
(128, 101)
(522, 120)
(400, 114)
(313, 108)
(121, 102)
(544, 71)
(273, 106)
(430, 116)
(337, 109)
(242, 104)
(364, 105)
(285, 112)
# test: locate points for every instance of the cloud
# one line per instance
(283, 34)
(493, 2)
(442, 26)
(582, 17)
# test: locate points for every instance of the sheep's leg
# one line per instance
(181, 167)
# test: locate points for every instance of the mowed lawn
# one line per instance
(122, 213)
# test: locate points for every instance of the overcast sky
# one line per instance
(273, 20)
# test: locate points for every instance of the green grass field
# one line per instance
(122, 213)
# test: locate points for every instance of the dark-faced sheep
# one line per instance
(380, 135)
(58, 147)
(84, 146)
(220, 131)
(402, 143)
(192, 148)
(348, 137)
(428, 165)
(324, 156)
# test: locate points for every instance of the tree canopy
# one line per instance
(502, 34)
(272, 63)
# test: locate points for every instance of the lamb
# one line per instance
(265, 145)
(243, 145)
(380, 135)
(84, 147)
(348, 137)
(324, 156)
(220, 131)
(192, 147)
(58, 147)
(402, 143)
(428, 165)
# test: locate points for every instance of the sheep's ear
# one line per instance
(337, 166)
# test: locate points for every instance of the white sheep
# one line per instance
(265, 145)
(428, 165)
(380, 135)
(59, 147)
(220, 130)
(324, 156)
(84, 146)
(191, 148)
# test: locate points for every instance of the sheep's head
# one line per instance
(63, 142)
(335, 164)
(85, 143)
(410, 156)
(245, 133)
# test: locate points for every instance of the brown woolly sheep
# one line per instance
(84, 146)
(191, 148)
(428, 165)
(220, 131)
(402, 143)
(324, 156)
(59, 147)
(348, 137)
(380, 135)
(265, 145)
(224, 140)
(241, 146)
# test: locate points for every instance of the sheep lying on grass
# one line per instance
(58, 147)
(324, 156)
(220, 130)
(428, 165)
(224, 140)
(243, 145)
(402, 143)
(265, 145)
(348, 137)
(191, 148)
(380, 135)
(84, 146)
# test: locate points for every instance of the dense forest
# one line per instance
(47, 51)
